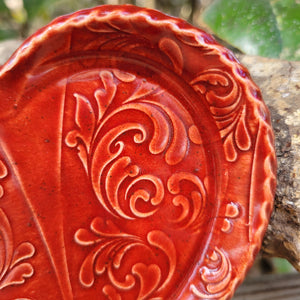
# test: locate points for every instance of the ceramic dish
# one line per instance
(137, 161)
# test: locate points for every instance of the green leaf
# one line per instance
(8, 34)
(2, 6)
(282, 265)
(288, 19)
(36, 7)
(257, 27)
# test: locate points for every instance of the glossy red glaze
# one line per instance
(137, 161)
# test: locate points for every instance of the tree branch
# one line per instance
(280, 84)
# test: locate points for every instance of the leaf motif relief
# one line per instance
(110, 246)
(111, 293)
(174, 53)
(216, 276)
(139, 119)
(170, 136)
(145, 89)
(149, 277)
(242, 136)
(106, 95)
(229, 148)
(232, 212)
(192, 205)
(86, 118)
(14, 271)
(224, 98)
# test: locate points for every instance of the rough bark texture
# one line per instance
(280, 84)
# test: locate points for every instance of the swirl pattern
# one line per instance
(111, 245)
(128, 147)
(224, 99)
(14, 267)
(108, 144)
(216, 276)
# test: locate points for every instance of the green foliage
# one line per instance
(37, 7)
(6, 29)
(8, 34)
(2, 6)
(282, 266)
(259, 27)
(288, 19)
(34, 14)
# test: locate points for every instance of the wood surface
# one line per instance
(275, 287)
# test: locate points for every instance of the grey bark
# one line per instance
(279, 82)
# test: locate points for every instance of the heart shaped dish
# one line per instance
(136, 161)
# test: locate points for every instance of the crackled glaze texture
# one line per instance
(136, 162)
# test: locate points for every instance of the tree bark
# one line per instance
(279, 82)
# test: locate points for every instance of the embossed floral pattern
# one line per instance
(113, 133)
(111, 245)
(14, 268)
(224, 99)
(167, 133)
(216, 276)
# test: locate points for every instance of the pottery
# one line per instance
(136, 161)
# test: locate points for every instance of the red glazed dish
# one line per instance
(136, 161)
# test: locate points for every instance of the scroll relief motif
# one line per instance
(222, 92)
(111, 245)
(167, 52)
(215, 276)
(224, 96)
(123, 143)
(116, 137)
(14, 268)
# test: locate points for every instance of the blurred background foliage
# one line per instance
(269, 28)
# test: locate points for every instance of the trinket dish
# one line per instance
(136, 161)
